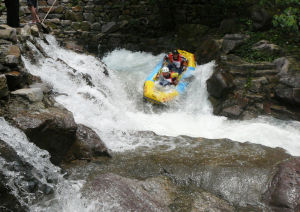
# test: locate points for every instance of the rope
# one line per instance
(48, 11)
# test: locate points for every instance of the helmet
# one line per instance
(175, 52)
(165, 69)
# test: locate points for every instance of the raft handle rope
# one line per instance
(48, 11)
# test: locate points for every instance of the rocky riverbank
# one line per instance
(28, 104)
(215, 175)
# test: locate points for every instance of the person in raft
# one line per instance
(167, 77)
(32, 6)
(176, 62)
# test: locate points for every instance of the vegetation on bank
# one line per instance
(284, 31)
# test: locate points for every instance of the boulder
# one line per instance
(232, 41)
(52, 129)
(261, 18)
(267, 48)
(3, 86)
(125, 194)
(229, 26)
(8, 33)
(87, 145)
(205, 201)
(15, 80)
(14, 50)
(12, 60)
(208, 50)
(219, 84)
(35, 30)
(283, 193)
(32, 94)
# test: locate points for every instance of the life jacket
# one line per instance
(171, 78)
(177, 63)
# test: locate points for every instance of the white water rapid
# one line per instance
(113, 107)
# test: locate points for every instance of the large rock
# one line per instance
(209, 49)
(8, 33)
(267, 47)
(52, 129)
(219, 84)
(284, 191)
(32, 94)
(3, 86)
(261, 17)
(110, 27)
(289, 80)
(20, 182)
(125, 194)
(87, 145)
(232, 41)
(238, 173)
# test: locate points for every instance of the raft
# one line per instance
(155, 94)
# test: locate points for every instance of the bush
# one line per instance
(287, 14)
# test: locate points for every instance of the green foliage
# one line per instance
(287, 14)
(75, 2)
(289, 20)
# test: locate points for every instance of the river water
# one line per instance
(114, 108)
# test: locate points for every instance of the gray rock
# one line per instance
(32, 94)
(26, 31)
(96, 27)
(266, 47)
(219, 84)
(52, 129)
(8, 33)
(34, 30)
(109, 27)
(87, 145)
(12, 60)
(66, 23)
(90, 17)
(127, 194)
(3, 86)
(208, 202)
(46, 88)
(231, 41)
(283, 193)
(232, 112)
(261, 18)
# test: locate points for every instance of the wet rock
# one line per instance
(12, 60)
(208, 202)
(232, 112)
(15, 174)
(219, 84)
(46, 88)
(32, 94)
(14, 50)
(87, 145)
(208, 50)
(3, 86)
(236, 173)
(15, 79)
(232, 41)
(52, 129)
(289, 80)
(127, 194)
(8, 33)
(35, 30)
(284, 191)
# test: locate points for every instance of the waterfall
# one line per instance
(112, 105)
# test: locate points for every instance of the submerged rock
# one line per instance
(231, 173)
(87, 145)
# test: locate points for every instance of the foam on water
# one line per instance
(113, 107)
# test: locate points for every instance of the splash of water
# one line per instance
(113, 106)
